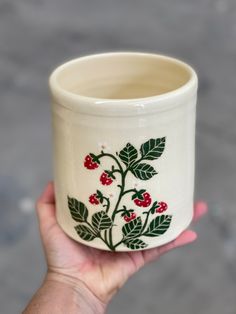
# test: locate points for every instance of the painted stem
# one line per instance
(105, 237)
(120, 211)
(116, 170)
(99, 235)
(129, 191)
(106, 242)
(113, 157)
(108, 204)
(145, 222)
(91, 226)
(122, 187)
(137, 161)
(122, 193)
(107, 209)
(117, 244)
(138, 235)
(123, 174)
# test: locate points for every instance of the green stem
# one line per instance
(114, 158)
(120, 211)
(105, 241)
(122, 187)
(145, 222)
(105, 236)
(108, 203)
(136, 162)
(117, 244)
(107, 209)
(93, 229)
(138, 235)
(129, 191)
(123, 174)
(98, 234)
(116, 170)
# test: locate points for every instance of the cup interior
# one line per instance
(122, 75)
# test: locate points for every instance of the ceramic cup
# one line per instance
(124, 138)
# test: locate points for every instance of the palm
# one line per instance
(102, 272)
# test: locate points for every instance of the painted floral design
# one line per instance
(144, 219)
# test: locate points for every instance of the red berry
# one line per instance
(126, 218)
(138, 202)
(133, 216)
(145, 202)
(93, 199)
(105, 180)
(162, 207)
(89, 163)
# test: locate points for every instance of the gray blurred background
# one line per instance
(36, 36)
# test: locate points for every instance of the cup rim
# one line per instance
(122, 107)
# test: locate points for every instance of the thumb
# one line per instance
(45, 207)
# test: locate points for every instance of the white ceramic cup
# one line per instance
(124, 138)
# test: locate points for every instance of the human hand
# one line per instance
(99, 273)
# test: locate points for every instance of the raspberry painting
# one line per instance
(144, 219)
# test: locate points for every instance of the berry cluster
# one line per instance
(93, 199)
(89, 163)
(105, 179)
(145, 202)
(132, 216)
(162, 206)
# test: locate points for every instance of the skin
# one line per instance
(81, 279)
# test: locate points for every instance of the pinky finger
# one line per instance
(184, 238)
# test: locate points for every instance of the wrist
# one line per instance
(82, 298)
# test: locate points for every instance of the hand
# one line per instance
(100, 272)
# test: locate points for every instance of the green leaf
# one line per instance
(158, 226)
(138, 194)
(95, 158)
(143, 171)
(153, 148)
(100, 196)
(99, 193)
(132, 228)
(128, 154)
(78, 210)
(85, 233)
(135, 244)
(101, 220)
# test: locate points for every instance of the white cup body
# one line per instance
(160, 128)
